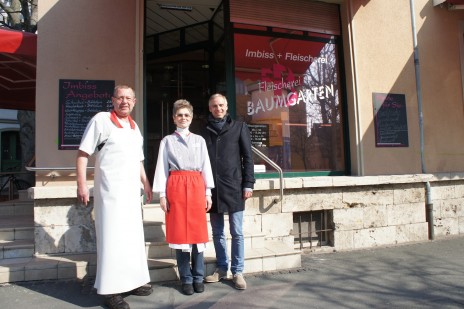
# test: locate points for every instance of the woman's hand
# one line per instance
(209, 203)
(164, 204)
(148, 192)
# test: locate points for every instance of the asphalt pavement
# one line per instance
(421, 275)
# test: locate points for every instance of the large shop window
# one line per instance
(287, 90)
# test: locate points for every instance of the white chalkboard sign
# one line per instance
(259, 134)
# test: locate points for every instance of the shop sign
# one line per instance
(390, 119)
(290, 85)
(283, 67)
(79, 101)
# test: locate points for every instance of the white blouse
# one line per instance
(183, 151)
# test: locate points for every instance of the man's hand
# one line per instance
(247, 194)
(209, 203)
(81, 169)
(83, 195)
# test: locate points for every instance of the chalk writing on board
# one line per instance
(390, 120)
(79, 101)
(259, 135)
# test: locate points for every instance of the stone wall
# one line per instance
(61, 225)
(367, 211)
(372, 216)
(448, 202)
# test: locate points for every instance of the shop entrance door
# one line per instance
(184, 59)
(192, 76)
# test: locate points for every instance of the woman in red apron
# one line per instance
(184, 181)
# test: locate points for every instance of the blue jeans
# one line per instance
(220, 244)
(189, 274)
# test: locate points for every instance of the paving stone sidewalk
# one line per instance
(421, 275)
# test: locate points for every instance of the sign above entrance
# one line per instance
(79, 101)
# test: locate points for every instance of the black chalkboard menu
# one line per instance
(79, 101)
(259, 135)
(390, 119)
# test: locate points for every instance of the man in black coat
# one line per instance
(229, 149)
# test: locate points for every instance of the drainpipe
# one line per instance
(429, 210)
(357, 113)
(428, 192)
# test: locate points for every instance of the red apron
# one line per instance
(186, 218)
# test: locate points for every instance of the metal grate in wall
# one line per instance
(313, 228)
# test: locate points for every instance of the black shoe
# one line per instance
(116, 302)
(199, 287)
(144, 290)
(187, 289)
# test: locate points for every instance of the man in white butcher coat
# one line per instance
(116, 141)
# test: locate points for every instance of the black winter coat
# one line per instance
(232, 164)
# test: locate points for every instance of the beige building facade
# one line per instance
(389, 186)
(378, 54)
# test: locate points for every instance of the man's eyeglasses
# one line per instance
(128, 99)
(183, 115)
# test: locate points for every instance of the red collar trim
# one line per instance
(114, 118)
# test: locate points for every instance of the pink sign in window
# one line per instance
(291, 88)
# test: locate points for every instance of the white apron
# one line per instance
(121, 258)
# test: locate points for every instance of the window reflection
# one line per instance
(287, 89)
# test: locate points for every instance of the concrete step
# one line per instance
(16, 227)
(13, 228)
(16, 236)
(273, 255)
(158, 247)
(24, 196)
(152, 212)
(18, 263)
(17, 207)
(154, 230)
(16, 249)
(47, 268)
(16, 233)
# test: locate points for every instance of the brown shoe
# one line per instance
(239, 281)
(216, 276)
(144, 290)
(116, 301)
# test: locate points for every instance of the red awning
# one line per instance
(18, 56)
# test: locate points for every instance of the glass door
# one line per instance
(182, 76)
(184, 59)
(10, 151)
